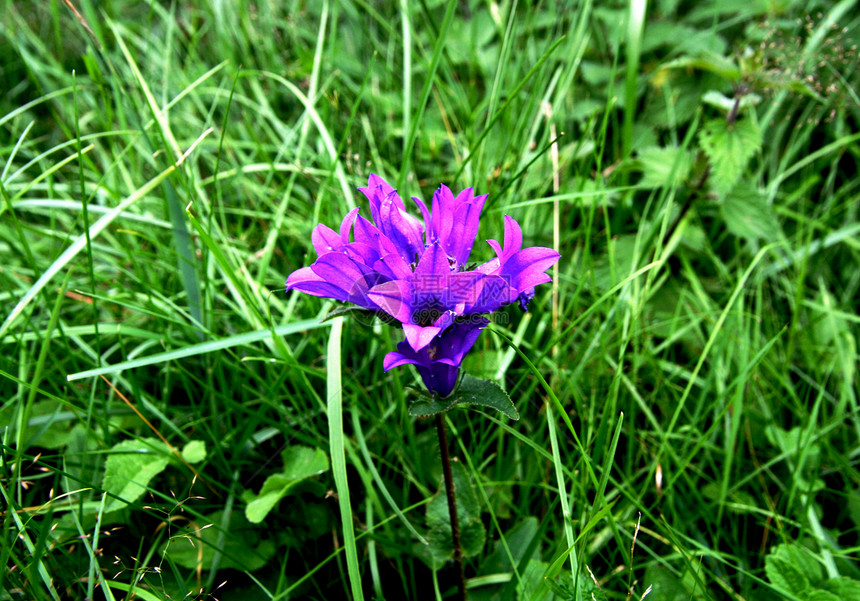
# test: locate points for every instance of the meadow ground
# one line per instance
(174, 426)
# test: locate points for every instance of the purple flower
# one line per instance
(417, 274)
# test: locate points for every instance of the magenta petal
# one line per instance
(346, 225)
(523, 265)
(394, 298)
(425, 212)
(513, 236)
(432, 268)
(443, 212)
(325, 240)
(396, 359)
(393, 267)
(419, 336)
(305, 280)
(340, 270)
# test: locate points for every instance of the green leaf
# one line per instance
(194, 451)
(300, 463)
(240, 547)
(536, 586)
(472, 532)
(844, 588)
(791, 569)
(130, 466)
(663, 166)
(729, 148)
(747, 215)
(472, 392)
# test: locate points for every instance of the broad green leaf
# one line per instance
(663, 166)
(130, 466)
(472, 392)
(299, 463)
(241, 548)
(49, 424)
(729, 148)
(843, 588)
(472, 532)
(714, 63)
(535, 586)
(194, 451)
(791, 569)
(747, 214)
(666, 585)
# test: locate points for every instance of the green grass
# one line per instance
(689, 408)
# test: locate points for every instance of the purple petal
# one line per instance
(396, 359)
(513, 236)
(393, 267)
(418, 336)
(495, 292)
(433, 263)
(325, 240)
(394, 298)
(465, 228)
(528, 265)
(346, 225)
(443, 213)
(425, 212)
(305, 280)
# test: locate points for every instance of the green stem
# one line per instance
(452, 506)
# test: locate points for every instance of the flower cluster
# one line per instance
(417, 274)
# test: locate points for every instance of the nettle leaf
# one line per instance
(747, 214)
(300, 463)
(130, 466)
(473, 392)
(472, 532)
(663, 167)
(791, 569)
(729, 147)
(844, 588)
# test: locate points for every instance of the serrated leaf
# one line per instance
(241, 548)
(844, 588)
(472, 531)
(721, 101)
(130, 466)
(791, 570)
(663, 166)
(300, 463)
(707, 62)
(729, 148)
(747, 215)
(472, 392)
(194, 451)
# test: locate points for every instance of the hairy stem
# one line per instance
(452, 506)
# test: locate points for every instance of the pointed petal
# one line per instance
(396, 359)
(425, 212)
(420, 336)
(465, 228)
(394, 298)
(434, 262)
(513, 236)
(325, 240)
(526, 267)
(305, 280)
(346, 225)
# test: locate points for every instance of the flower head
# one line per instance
(417, 274)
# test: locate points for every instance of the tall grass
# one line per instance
(689, 415)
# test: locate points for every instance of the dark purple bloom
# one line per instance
(417, 275)
(438, 363)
